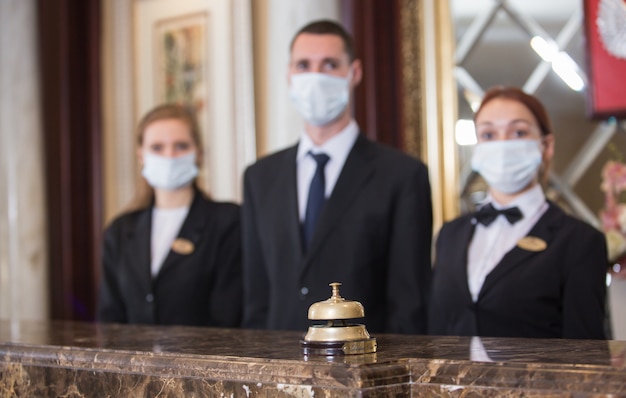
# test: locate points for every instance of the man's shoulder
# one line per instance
(386, 151)
(388, 154)
(274, 160)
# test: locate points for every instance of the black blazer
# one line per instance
(200, 288)
(558, 292)
(373, 235)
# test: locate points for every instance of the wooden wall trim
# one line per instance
(69, 50)
(407, 98)
(376, 27)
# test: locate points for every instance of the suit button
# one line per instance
(304, 291)
(149, 298)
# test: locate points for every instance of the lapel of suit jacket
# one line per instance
(138, 248)
(191, 230)
(355, 173)
(286, 201)
(543, 229)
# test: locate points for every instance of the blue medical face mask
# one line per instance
(318, 97)
(508, 166)
(169, 173)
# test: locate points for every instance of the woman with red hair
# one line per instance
(519, 266)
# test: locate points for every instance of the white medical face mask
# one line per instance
(508, 166)
(318, 97)
(169, 173)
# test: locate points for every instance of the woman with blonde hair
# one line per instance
(175, 256)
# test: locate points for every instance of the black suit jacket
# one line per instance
(373, 235)
(558, 292)
(200, 288)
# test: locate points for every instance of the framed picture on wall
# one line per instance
(605, 31)
(181, 64)
(199, 52)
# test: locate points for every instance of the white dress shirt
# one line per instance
(337, 148)
(490, 243)
(166, 224)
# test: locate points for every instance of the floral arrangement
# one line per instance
(613, 215)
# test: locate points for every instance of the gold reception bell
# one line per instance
(337, 336)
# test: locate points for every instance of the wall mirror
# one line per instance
(539, 46)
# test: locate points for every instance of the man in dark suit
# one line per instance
(334, 208)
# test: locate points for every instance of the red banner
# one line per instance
(605, 29)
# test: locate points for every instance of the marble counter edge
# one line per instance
(417, 371)
(230, 368)
(452, 374)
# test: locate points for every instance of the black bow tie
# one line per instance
(487, 214)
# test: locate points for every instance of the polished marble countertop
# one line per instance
(436, 364)
(284, 345)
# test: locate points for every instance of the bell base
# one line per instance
(335, 348)
(332, 333)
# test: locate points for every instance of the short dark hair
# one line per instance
(328, 27)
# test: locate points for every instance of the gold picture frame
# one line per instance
(181, 62)
(200, 52)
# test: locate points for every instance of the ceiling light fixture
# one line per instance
(465, 132)
(562, 64)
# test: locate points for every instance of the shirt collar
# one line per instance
(529, 202)
(336, 147)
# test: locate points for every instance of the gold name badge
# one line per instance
(183, 246)
(532, 244)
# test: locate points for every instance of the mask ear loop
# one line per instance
(542, 174)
